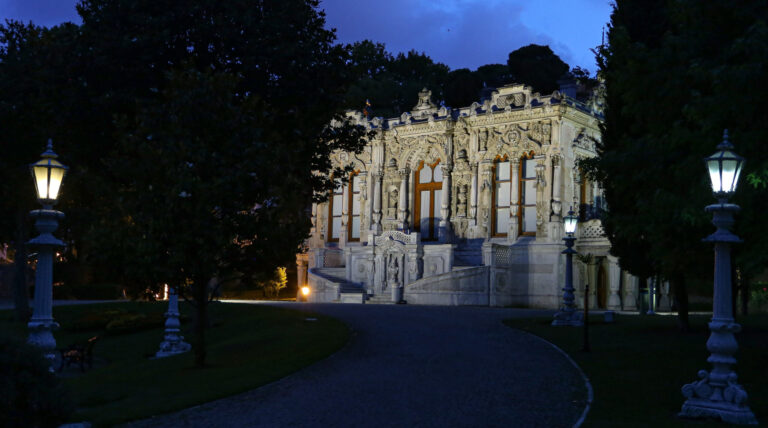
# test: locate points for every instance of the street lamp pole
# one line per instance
(716, 394)
(48, 174)
(567, 314)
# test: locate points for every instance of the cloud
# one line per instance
(471, 33)
(46, 13)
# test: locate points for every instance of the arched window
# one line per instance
(336, 210)
(353, 225)
(502, 183)
(427, 186)
(335, 205)
(527, 199)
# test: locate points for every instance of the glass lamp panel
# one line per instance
(738, 173)
(529, 219)
(356, 227)
(502, 171)
(714, 174)
(57, 175)
(337, 201)
(424, 214)
(570, 224)
(356, 184)
(336, 232)
(355, 204)
(41, 181)
(530, 169)
(530, 192)
(502, 194)
(729, 174)
(425, 175)
(502, 220)
(438, 174)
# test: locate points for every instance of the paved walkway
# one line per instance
(412, 366)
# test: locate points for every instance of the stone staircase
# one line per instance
(469, 252)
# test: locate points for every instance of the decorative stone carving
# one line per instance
(462, 201)
(393, 201)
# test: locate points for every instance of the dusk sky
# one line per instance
(458, 33)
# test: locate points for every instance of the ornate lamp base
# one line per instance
(727, 402)
(568, 318)
(172, 345)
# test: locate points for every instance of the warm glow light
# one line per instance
(48, 174)
(569, 222)
(305, 291)
(724, 168)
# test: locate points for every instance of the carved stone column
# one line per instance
(630, 292)
(376, 227)
(364, 202)
(473, 197)
(556, 188)
(614, 279)
(514, 202)
(486, 192)
(370, 189)
(445, 207)
(344, 214)
(665, 305)
(402, 214)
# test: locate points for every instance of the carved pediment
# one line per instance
(425, 107)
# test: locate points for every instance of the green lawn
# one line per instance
(249, 346)
(638, 365)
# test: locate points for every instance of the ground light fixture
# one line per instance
(567, 315)
(305, 291)
(717, 394)
(48, 174)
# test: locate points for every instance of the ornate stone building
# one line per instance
(464, 207)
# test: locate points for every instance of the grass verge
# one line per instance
(638, 365)
(248, 346)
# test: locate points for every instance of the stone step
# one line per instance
(379, 300)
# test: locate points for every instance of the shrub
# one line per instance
(759, 298)
(132, 322)
(94, 320)
(30, 396)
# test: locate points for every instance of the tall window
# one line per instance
(429, 182)
(353, 225)
(336, 210)
(527, 200)
(334, 213)
(501, 192)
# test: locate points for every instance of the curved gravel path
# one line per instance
(412, 366)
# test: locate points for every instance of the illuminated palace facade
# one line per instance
(465, 206)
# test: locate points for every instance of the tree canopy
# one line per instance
(673, 72)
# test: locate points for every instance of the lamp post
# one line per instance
(567, 314)
(716, 394)
(48, 174)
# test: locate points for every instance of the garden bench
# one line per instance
(81, 353)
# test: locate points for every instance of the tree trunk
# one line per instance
(745, 296)
(200, 293)
(681, 301)
(20, 290)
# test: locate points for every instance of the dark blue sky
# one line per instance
(459, 33)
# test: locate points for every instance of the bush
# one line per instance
(132, 322)
(87, 291)
(30, 396)
(759, 299)
(94, 320)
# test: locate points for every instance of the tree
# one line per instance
(537, 66)
(670, 82)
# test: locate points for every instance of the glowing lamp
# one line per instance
(724, 168)
(305, 291)
(48, 174)
(569, 222)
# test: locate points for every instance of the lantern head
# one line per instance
(724, 168)
(48, 174)
(569, 222)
